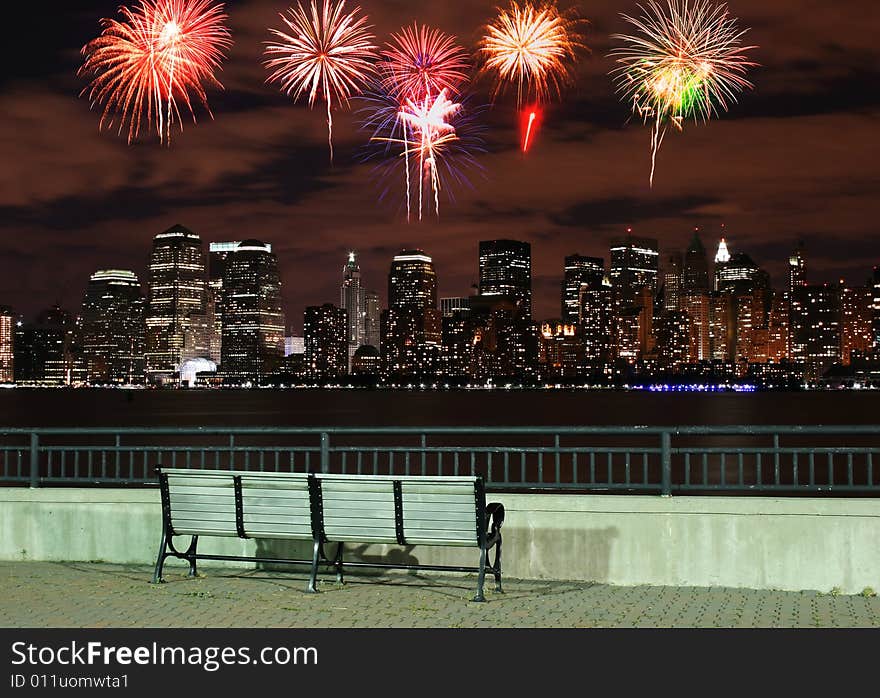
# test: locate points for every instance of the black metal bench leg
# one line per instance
(338, 563)
(496, 567)
(313, 577)
(481, 578)
(160, 559)
(191, 556)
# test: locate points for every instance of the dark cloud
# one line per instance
(795, 158)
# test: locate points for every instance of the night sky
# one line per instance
(795, 158)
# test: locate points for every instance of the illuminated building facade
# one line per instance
(253, 320)
(815, 329)
(597, 322)
(696, 305)
(580, 272)
(412, 320)
(560, 349)
(634, 266)
(176, 292)
(506, 270)
(856, 323)
(7, 354)
(47, 352)
(672, 281)
(112, 322)
(326, 341)
(695, 275)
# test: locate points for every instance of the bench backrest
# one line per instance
(230, 503)
(409, 510)
(415, 510)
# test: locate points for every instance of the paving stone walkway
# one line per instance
(73, 594)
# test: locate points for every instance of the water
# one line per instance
(191, 408)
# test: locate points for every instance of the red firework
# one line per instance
(158, 58)
(419, 63)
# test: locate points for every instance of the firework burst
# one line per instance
(419, 62)
(433, 139)
(532, 46)
(159, 57)
(686, 61)
(327, 52)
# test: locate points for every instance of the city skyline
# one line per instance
(789, 162)
(633, 316)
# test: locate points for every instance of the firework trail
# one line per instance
(686, 61)
(527, 139)
(533, 46)
(160, 55)
(420, 62)
(327, 52)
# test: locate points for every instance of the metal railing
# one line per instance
(662, 460)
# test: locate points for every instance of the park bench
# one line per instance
(328, 508)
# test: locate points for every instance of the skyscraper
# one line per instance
(797, 278)
(412, 322)
(326, 341)
(696, 266)
(253, 320)
(112, 321)
(696, 305)
(218, 253)
(176, 293)
(875, 281)
(856, 323)
(634, 266)
(372, 319)
(412, 281)
(47, 352)
(722, 257)
(7, 355)
(815, 328)
(672, 281)
(506, 270)
(352, 299)
(580, 272)
(598, 322)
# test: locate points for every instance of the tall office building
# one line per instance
(797, 279)
(580, 272)
(777, 329)
(412, 322)
(856, 323)
(721, 327)
(412, 281)
(176, 294)
(722, 257)
(695, 276)
(47, 351)
(634, 266)
(372, 319)
(696, 305)
(815, 327)
(112, 322)
(673, 269)
(597, 320)
(506, 270)
(352, 300)
(875, 282)
(218, 253)
(739, 274)
(253, 320)
(326, 341)
(7, 354)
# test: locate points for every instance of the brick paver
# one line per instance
(44, 594)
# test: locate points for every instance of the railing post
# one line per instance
(666, 463)
(35, 459)
(325, 452)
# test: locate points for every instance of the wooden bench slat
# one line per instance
(281, 520)
(285, 534)
(289, 510)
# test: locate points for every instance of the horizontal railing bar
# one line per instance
(549, 430)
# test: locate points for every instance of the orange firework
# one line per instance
(533, 46)
(159, 57)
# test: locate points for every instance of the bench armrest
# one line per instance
(494, 518)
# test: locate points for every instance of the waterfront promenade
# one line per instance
(97, 595)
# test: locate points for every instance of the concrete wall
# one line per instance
(751, 542)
